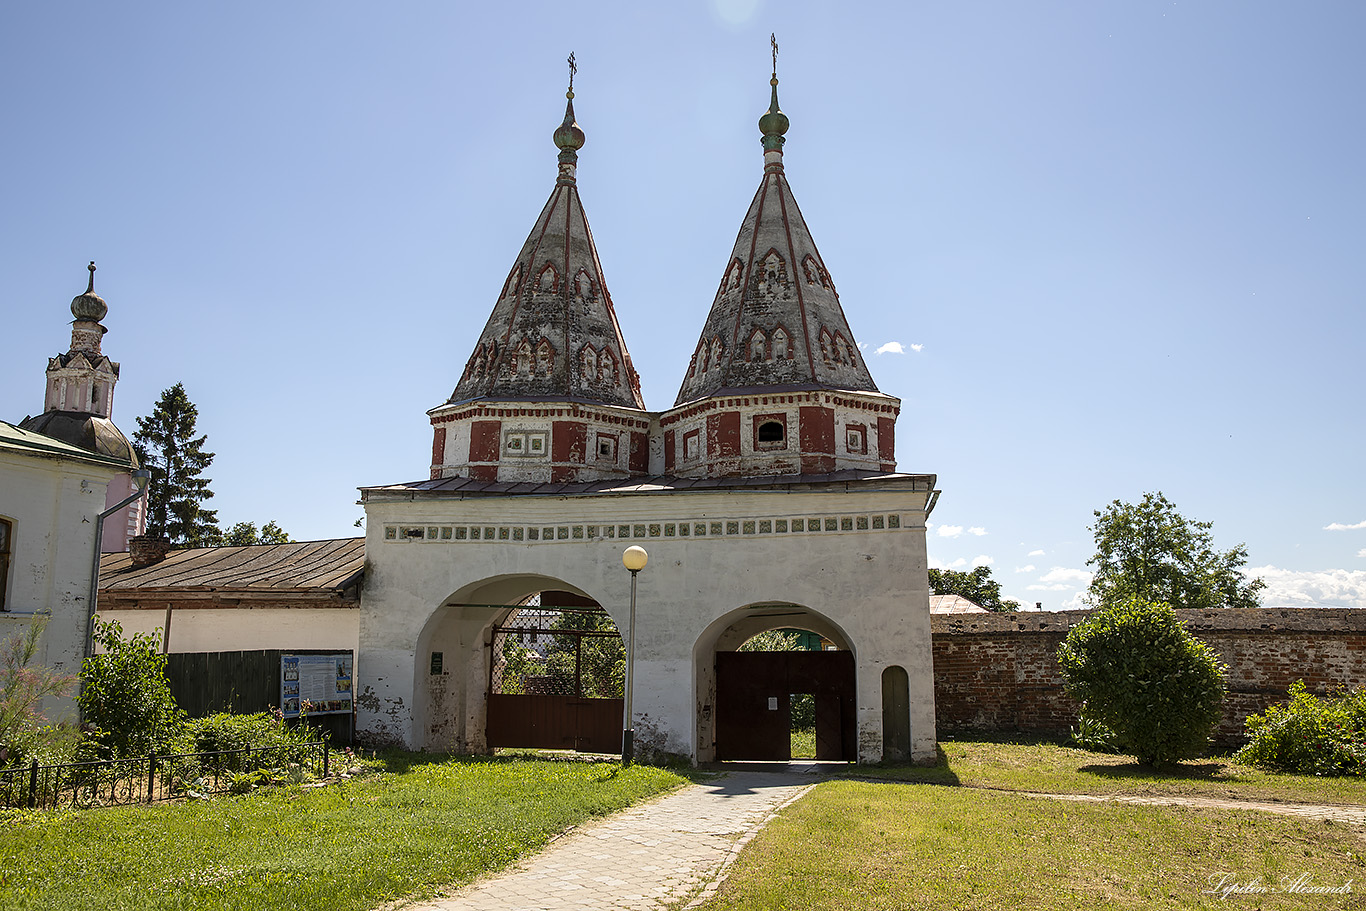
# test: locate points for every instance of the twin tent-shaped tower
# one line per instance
(767, 498)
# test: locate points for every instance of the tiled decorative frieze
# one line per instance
(540, 534)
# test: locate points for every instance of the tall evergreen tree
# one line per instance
(166, 444)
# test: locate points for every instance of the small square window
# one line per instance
(853, 440)
(533, 534)
(692, 445)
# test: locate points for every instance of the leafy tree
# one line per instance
(23, 729)
(125, 696)
(773, 640)
(166, 444)
(977, 586)
(1150, 551)
(244, 533)
(1135, 670)
(602, 659)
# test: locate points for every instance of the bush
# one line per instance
(126, 698)
(1309, 735)
(226, 731)
(1136, 671)
(24, 731)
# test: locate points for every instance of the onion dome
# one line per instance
(89, 306)
(773, 124)
(568, 136)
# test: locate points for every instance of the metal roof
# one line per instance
(19, 439)
(322, 566)
(466, 487)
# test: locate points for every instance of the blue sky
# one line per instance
(1118, 246)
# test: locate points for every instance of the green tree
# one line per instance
(977, 586)
(773, 640)
(166, 444)
(244, 534)
(23, 728)
(601, 658)
(1150, 551)
(1135, 670)
(125, 696)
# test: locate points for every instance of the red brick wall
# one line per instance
(998, 672)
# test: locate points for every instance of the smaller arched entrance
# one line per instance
(752, 690)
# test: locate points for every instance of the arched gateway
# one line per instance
(770, 483)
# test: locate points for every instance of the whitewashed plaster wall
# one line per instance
(868, 583)
(234, 629)
(53, 504)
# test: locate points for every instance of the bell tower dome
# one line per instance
(78, 407)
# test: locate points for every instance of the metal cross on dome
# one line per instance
(773, 40)
(573, 68)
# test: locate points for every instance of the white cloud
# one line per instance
(863, 346)
(949, 531)
(1325, 588)
(1338, 526)
(1027, 568)
(977, 530)
(1061, 579)
(1034, 553)
(917, 348)
(1362, 552)
(981, 560)
(956, 563)
(891, 348)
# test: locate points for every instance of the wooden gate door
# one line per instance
(753, 711)
(556, 679)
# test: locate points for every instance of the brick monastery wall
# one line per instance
(999, 672)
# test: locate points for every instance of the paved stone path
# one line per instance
(667, 849)
(1352, 815)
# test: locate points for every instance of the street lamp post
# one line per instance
(634, 560)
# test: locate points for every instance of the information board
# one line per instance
(319, 683)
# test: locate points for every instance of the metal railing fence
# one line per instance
(113, 782)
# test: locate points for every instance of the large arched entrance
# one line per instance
(520, 661)
(748, 696)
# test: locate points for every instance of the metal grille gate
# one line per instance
(556, 680)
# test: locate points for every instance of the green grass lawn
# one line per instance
(428, 823)
(1056, 769)
(863, 846)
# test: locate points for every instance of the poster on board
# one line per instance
(321, 683)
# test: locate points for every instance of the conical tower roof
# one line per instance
(776, 320)
(553, 333)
